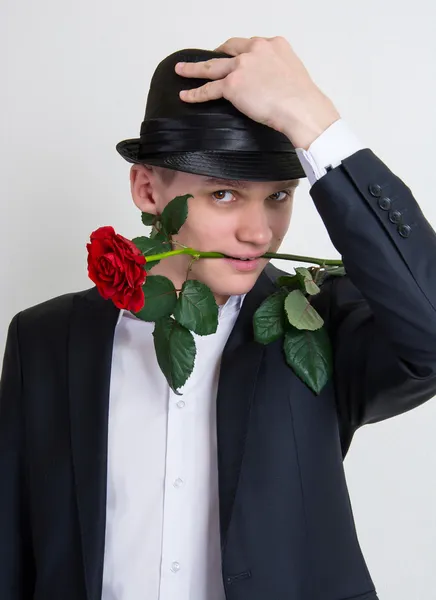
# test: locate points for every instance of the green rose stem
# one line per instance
(308, 259)
(196, 254)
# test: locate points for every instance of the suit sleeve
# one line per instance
(16, 572)
(383, 313)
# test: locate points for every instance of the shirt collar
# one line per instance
(233, 304)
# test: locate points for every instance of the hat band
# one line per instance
(216, 132)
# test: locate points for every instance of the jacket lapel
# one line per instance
(90, 355)
(240, 365)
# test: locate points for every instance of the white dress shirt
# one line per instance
(162, 521)
(335, 144)
(162, 525)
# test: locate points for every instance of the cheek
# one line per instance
(279, 228)
(280, 222)
(205, 231)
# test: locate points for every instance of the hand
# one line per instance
(265, 80)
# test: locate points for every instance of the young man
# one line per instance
(113, 487)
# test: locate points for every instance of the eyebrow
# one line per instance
(242, 185)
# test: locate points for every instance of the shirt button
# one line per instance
(180, 404)
(178, 482)
(175, 566)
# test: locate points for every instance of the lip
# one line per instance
(251, 256)
(243, 265)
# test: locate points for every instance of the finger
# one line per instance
(212, 90)
(244, 46)
(215, 68)
(235, 46)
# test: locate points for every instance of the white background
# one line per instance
(74, 81)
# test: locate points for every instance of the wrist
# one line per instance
(304, 128)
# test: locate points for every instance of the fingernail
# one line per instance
(180, 65)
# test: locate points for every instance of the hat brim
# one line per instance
(249, 166)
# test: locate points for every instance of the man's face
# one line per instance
(243, 219)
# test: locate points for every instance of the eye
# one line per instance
(275, 196)
(285, 192)
(220, 200)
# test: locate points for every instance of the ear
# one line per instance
(143, 186)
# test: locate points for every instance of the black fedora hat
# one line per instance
(208, 138)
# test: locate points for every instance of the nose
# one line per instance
(253, 226)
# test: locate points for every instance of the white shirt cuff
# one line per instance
(335, 144)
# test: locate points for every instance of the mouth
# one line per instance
(243, 263)
(244, 258)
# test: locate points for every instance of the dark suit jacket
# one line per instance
(287, 527)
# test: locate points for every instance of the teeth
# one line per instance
(238, 258)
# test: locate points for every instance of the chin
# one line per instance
(224, 281)
(235, 285)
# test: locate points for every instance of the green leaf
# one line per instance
(148, 219)
(160, 236)
(174, 214)
(301, 313)
(307, 281)
(319, 274)
(160, 298)
(287, 280)
(175, 351)
(150, 246)
(196, 308)
(336, 271)
(309, 354)
(269, 319)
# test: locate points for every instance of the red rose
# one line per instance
(116, 266)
